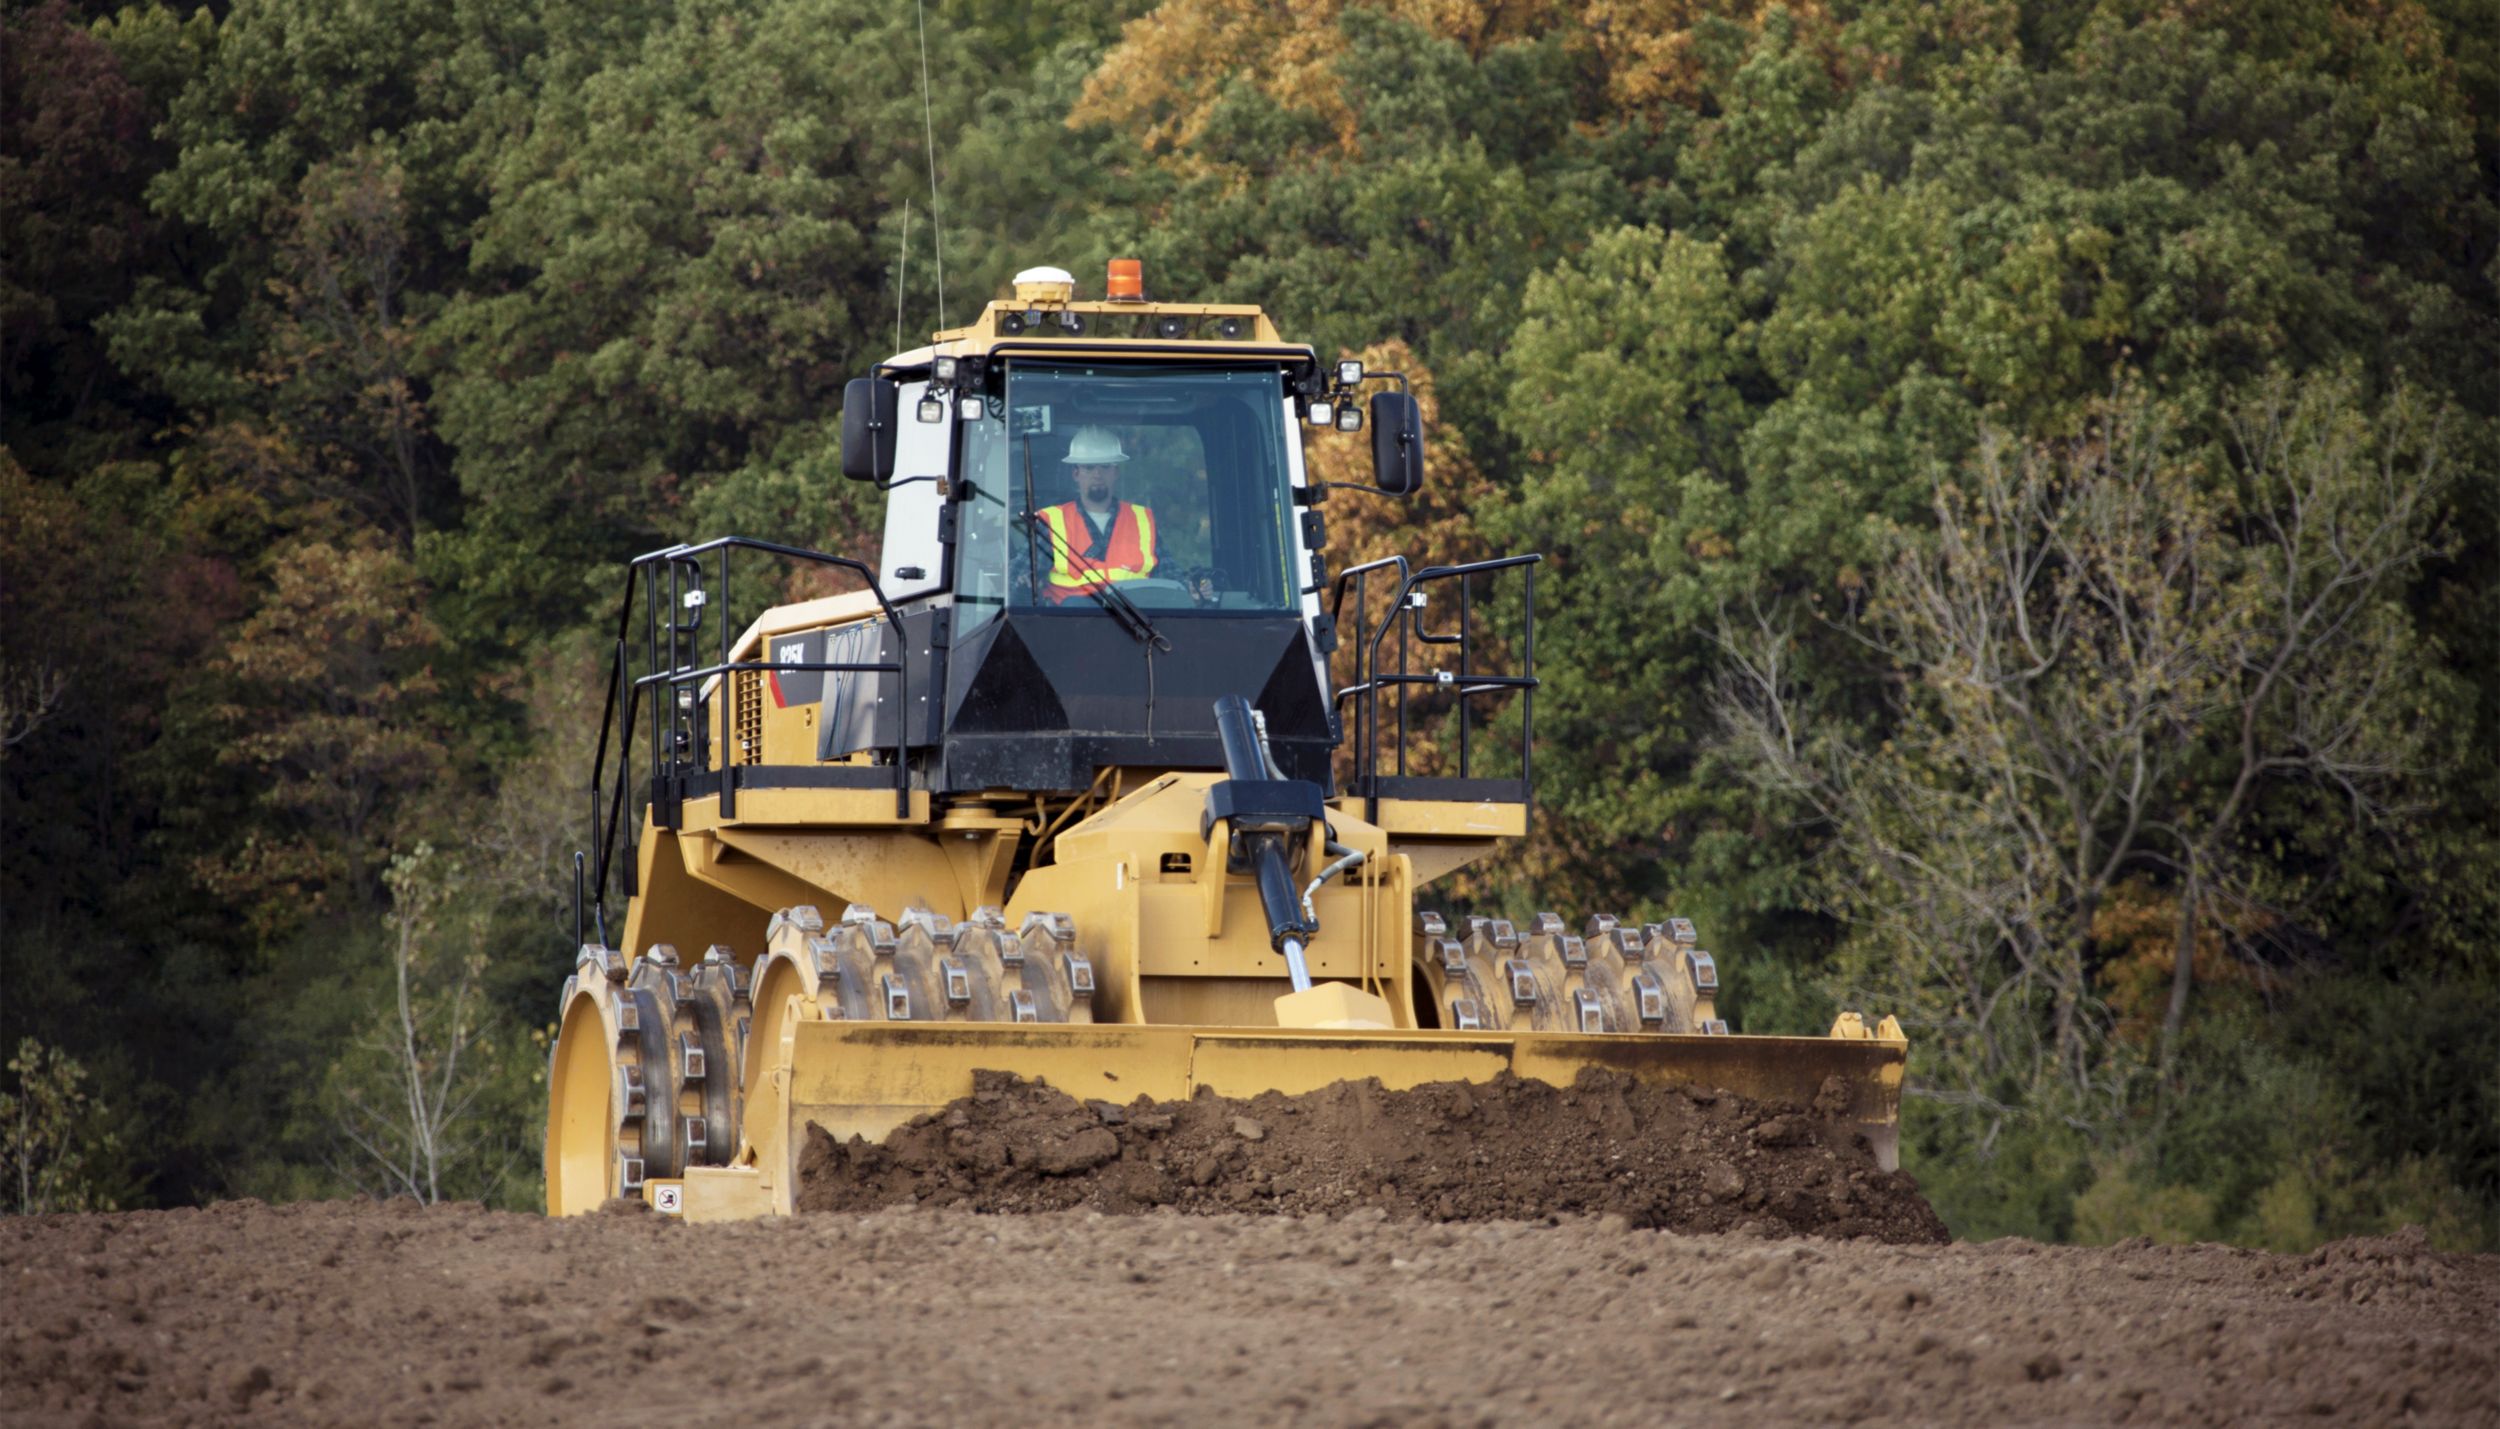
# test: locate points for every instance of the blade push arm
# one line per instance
(1268, 817)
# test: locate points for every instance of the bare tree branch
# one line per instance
(29, 698)
(2111, 654)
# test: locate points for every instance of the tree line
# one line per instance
(2018, 483)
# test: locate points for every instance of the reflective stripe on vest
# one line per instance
(1132, 552)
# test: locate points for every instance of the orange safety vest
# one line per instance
(1131, 553)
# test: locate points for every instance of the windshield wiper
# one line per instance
(1103, 589)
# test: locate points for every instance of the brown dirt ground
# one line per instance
(357, 1313)
(1443, 1256)
(1665, 1157)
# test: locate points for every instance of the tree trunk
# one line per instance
(2182, 973)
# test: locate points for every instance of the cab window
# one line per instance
(1170, 483)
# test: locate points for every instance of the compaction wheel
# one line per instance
(1492, 974)
(653, 1065)
(642, 1082)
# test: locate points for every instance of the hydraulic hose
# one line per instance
(1347, 858)
(1267, 752)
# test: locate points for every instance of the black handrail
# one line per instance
(1466, 682)
(1358, 575)
(680, 733)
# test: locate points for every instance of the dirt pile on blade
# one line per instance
(1678, 1158)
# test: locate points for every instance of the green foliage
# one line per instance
(2268, 1146)
(1624, 393)
(324, 698)
(680, 265)
(2114, 652)
(58, 1151)
(2121, 1205)
(74, 155)
(2011, 1179)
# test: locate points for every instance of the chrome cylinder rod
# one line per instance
(1300, 970)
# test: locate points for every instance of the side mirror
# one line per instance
(869, 409)
(1397, 443)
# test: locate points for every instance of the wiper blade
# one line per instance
(1104, 590)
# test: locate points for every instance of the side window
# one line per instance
(981, 522)
(911, 512)
(1245, 511)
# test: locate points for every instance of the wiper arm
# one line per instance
(1103, 589)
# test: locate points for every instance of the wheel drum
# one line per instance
(612, 1088)
(1445, 978)
(711, 1034)
(647, 1076)
(912, 985)
(581, 1154)
(787, 971)
(1525, 977)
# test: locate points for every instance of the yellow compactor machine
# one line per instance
(1099, 776)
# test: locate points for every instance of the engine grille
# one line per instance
(746, 739)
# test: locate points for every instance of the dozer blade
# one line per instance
(867, 1078)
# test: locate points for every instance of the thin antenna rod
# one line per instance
(928, 131)
(902, 273)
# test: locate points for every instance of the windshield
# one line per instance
(1166, 483)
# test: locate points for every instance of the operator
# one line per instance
(1098, 537)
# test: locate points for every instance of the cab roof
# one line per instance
(1052, 326)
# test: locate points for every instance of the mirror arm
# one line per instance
(1354, 486)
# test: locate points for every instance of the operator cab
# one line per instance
(1098, 524)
